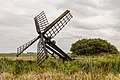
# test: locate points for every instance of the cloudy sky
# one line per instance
(92, 19)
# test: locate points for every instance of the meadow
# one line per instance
(94, 67)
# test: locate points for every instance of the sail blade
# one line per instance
(56, 26)
(42, 52)
(26, 45)
(41, 22)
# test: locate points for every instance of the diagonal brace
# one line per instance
(59, 50)
(60, 56)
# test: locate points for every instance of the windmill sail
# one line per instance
(26, 45)
(42, 52)
(41, 22)
(58, 24)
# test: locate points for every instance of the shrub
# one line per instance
(92, 46)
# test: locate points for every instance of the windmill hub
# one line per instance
(53, 41)
(47, 32)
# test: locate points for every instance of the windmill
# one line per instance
(46, 32)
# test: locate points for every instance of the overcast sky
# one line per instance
(91, 19)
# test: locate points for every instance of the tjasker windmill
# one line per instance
(46, 32)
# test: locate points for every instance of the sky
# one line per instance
(91, 19)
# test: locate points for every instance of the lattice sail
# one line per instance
(41, 22)
(58, 24)
(42, 52)
(26, 45)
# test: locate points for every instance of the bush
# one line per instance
(92, 46)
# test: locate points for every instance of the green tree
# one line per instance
(92, 46)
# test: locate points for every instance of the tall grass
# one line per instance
(83, 68)
(58, 76)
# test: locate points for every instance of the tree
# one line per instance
(92, 46)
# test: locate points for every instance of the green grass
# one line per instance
(14, 54)
(101, 65)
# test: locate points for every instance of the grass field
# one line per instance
(96, 67)
(24, 56)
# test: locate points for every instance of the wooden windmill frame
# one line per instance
(46, 32)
